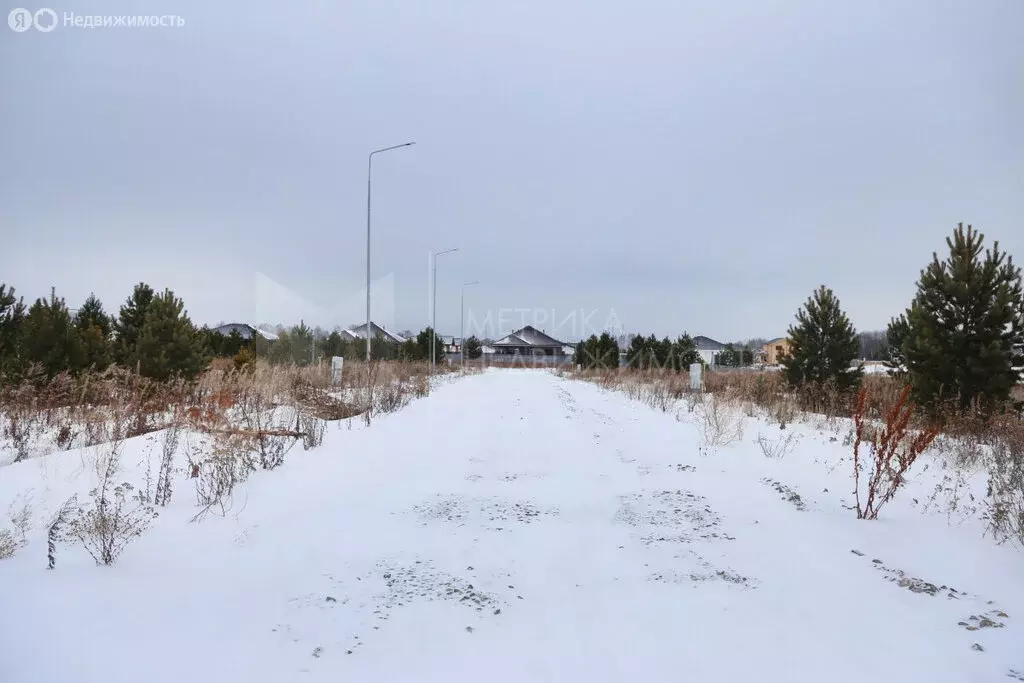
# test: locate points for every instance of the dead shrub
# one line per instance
(311, 428)
(8, 544)
(218, 475)
(893, 449)
(26, 420)
(720, 420)
(20, 515)
(112, 521)
(1005, 495)
(168, 447)
(779, 447)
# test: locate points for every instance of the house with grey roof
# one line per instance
(531, 344)
(708, 349)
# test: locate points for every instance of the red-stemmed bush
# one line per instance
(894, 450)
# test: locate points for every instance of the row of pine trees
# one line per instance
(153, 335)
(960, 343)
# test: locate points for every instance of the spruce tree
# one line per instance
(129, 324)
(12, 319)
(169, 346)
(823, 344)
(50, 341)
(94, 329)
(965, 326)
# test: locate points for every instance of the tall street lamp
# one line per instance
(462, 321)
(433, 306)
(369, 176)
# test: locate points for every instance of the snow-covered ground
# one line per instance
(517, 526)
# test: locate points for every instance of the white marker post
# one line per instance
(336, 364)
(695, 379)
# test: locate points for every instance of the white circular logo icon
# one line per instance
(20, 19)
(45, 20)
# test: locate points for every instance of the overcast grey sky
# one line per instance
(667, 166)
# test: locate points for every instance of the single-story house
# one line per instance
(708, 349)
(775, 349)
(244, 330)
(529, 341)
(359, 332)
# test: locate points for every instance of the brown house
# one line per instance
(774, 350)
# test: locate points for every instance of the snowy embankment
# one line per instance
(518, 526)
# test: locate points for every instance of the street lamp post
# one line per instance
(369, 176)
(433, 306)
(462, 321)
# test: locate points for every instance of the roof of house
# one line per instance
(244, 330)
(775, 341)
(707, 344)
(528, 336)
(359, 332)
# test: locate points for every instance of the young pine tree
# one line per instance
(12, 319)
(597, 352)
(965, 325)
(281, 349)
(423, 343)
(94, 328)
(607, 351)
(169, 345)
(823, 344)
(895, 335)
(302, 343)
(128, 325)
(49, 338)
(334, 345)
(685, 352)
(638, 355)
(472, 348)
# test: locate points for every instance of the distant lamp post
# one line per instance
(433, 305)
(462, 321)
(369, 176)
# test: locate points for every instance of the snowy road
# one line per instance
(515, 526)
